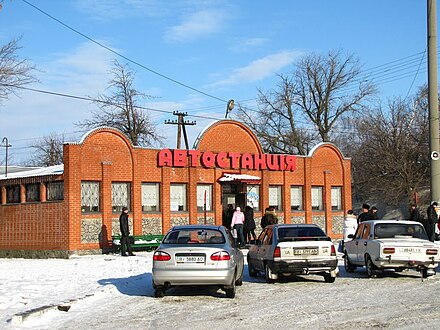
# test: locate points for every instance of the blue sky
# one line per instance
(225, 49)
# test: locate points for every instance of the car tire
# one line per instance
(251, 270)
(270, 277)
(349, 267)
(230, 291)
(329, 279)
(239, 281)
(159, 292)
(371, 268)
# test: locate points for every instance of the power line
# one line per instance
(122, 56)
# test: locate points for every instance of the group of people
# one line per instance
(351, 221)
(431, 224)
(244, 223)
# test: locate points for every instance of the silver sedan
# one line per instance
(197, 255)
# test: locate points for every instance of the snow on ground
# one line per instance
(110, 291)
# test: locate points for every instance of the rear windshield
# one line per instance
(194, 236)
(301, 234)
(391, 230)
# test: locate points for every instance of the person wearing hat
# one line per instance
(365, 215)
(432, 220)
(125, 233)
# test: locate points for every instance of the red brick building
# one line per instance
(61, 210)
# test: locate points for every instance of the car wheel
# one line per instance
(230, 291)
(251, 270)
(270, 277)
(329, 279)
(371, 269)
(239, 281)
(159, 292)
(349, 267)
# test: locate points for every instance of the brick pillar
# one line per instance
(307, 189)
(106, 200)
(43, 194)
(22, 193)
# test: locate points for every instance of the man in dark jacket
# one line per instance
(366, 214)
(125, 233)
(432, 220)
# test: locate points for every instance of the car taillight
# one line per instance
(220, 256)
(431, 252)
(161, 256)
(333, 250)
(388, 250)
(277, 252)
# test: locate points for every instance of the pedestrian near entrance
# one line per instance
(125, 233)
(249, 224)
(237, 224)
(432, 220)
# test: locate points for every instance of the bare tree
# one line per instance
(306, 106)
(391, 155)
(120, 109)
(14, 72)
(48, 151)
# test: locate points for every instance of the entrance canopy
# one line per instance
(234, 177)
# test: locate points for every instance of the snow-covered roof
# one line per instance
(231, 177)
(32, 172)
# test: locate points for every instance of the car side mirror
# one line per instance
(350, 236)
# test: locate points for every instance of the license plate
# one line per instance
(410, 250)
(305, 251)
(190, 259)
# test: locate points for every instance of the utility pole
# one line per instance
(433, 100)
(181, 123)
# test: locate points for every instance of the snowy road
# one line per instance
(396, 301)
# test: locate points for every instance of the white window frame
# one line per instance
(336, 196)
(150, 197)
(178, 197)
(275, 197)
(317, 198)
(296, 198)
(201, 189)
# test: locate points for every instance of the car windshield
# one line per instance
(391, 230)
(301, 234)
(194, 236)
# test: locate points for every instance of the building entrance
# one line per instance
(232, 196)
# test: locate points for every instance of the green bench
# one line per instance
(147, 242)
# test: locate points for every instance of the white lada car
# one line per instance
(391, 244)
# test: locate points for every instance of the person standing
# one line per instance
(414, 213)
(365, 215)
(374, 214)
(237, 224)
(249, 224)
(350, 225)
(125, 233)
(432, 220)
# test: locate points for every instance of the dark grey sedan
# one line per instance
(197, 255)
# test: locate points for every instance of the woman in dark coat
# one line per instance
(249, 224)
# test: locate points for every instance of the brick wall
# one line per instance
(106, 155)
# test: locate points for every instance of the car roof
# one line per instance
(200, 226)
(407, 222)
(293, 225)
